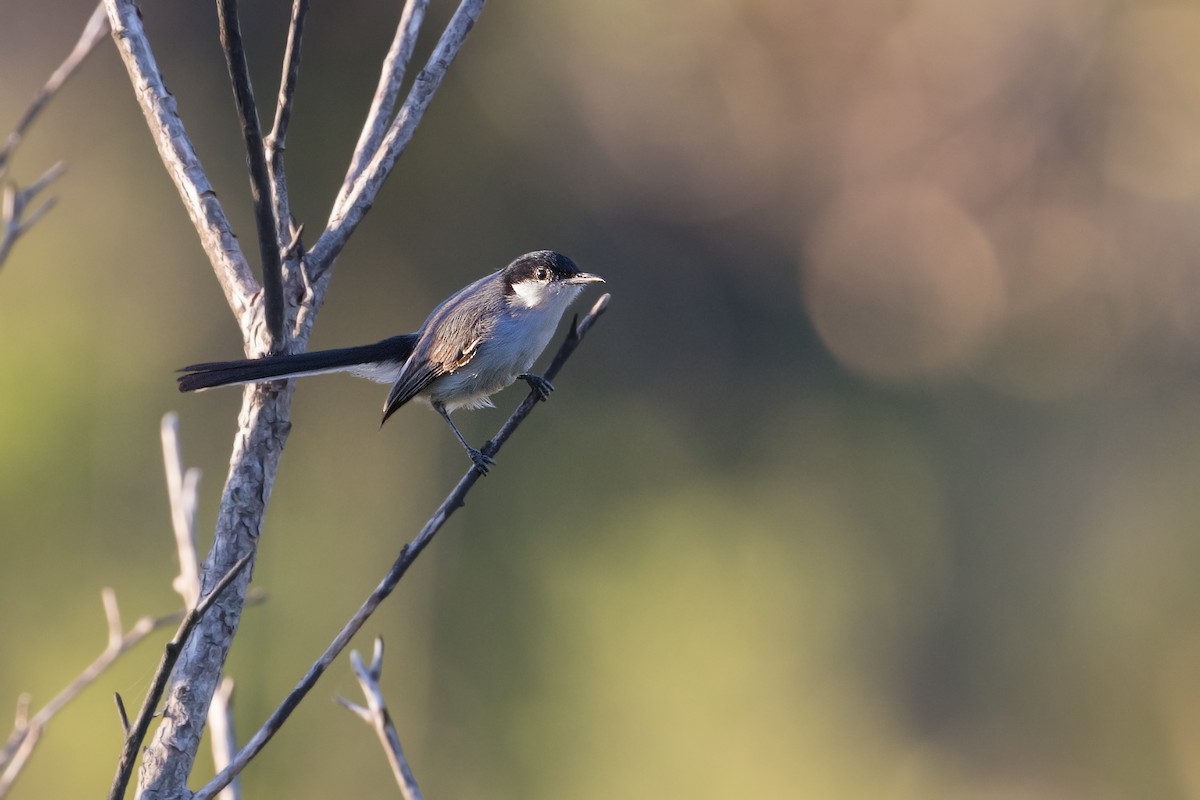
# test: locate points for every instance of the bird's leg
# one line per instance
(481, 461)
(538, 384)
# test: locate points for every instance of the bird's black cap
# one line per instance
(546, 265)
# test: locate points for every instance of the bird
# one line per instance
(481, 339)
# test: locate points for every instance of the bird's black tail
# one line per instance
(381, 361)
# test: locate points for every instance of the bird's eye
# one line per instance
(542, 274)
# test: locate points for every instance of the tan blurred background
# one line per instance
(877, 481)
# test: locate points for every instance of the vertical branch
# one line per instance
(181, 495)
(275, 142)
(263, 427)
(260, 185)
(224, 743)
(138, 730)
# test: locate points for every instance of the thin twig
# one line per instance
(267, 225)
(224, 741)
(291, 72)
(93, 31)
(391, 78)
(181, 495)
(27, 729)
(276, 146)
(182, 164)
(19, 758)
(377, 716)
(122, 714)
(358, 199)
(14, 221)
(408, 554)
(133, 742)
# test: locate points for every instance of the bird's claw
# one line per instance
(540, 386)
(481, 461)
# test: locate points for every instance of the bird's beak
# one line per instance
(585, 277)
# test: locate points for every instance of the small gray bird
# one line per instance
(476, 342)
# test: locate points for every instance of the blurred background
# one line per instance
(876, 481)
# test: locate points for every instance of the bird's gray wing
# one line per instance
(458, 338)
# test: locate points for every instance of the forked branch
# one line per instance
(375, 713)
(17, 213)
(28, 729)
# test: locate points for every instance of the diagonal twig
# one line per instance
(14, 221)
(357, 200)
(408, 554)
(256, 160)
(377, 716)
(93, 31)
(141, 725)
(28, 729)
(391, 78)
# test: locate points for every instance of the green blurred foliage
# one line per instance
(876, 480)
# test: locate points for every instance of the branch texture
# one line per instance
(262, 431)
(179, 157)
(140, 727)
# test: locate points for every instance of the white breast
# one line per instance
(519, 337)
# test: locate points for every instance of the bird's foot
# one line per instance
(481, 461)
(541, 387)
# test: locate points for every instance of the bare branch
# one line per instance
(276, 145)
(347, 214)
(133, 741)
(93, 31)
(181, 491)
(19, 758)
(181, 495)
(391, 78)
(182, 164)
(27, 730)
(122, 714)
(407, 556)
(291, 72)
(376, 715)
(263, 426)
(14, 221)
(256, 160)
(224, 742)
